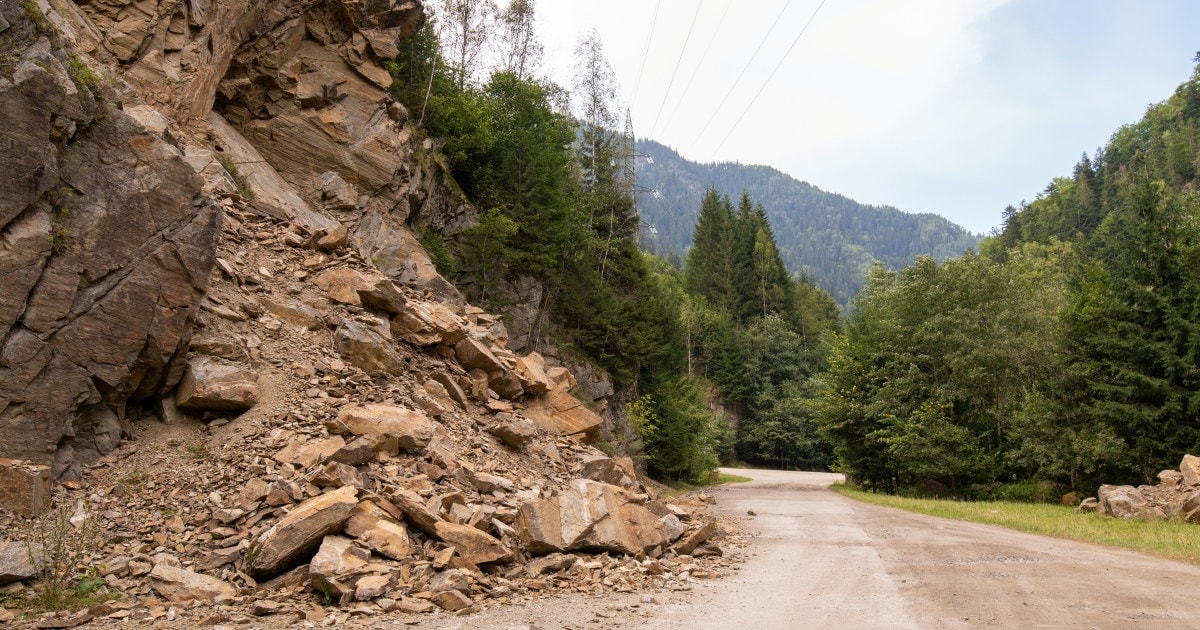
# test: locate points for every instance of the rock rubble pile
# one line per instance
(343, 445)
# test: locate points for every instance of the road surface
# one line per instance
(821, 560)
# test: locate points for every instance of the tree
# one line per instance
(710, 261)
(465, 28)
(520, 51)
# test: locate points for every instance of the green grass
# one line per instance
(723, 478)
(1173, 539)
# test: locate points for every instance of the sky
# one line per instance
(955, 107)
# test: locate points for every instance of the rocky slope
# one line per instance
(222, 338)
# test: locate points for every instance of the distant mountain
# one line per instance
(832, 238)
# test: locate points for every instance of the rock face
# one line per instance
(105, 259)
(590, 515)
(24, 488)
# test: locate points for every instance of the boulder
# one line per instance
(387, 538)
(368, 347)
(342, 285)
(531, 371)
(333, 568)
(383, 296)
(472, 545)
(411, 428)
(211, 386)
(1170, 478)
(472, 353)
(336, 475)
(365, 448)
(1190, 509)
(1190, 468)
(590, 516)
(427, 324)
(179, 584)
(1122, 501)
(453, 389)
(24, 487)
(616, 471)
(560, 412)
(15, 563)
(515, 432)
(308, 453)
(417, 513)
(294, 313)
(688, 544)
(291, 539)
(452, 600)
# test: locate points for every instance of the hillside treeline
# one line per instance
(1067, 351)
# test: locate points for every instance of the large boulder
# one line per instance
(292, 539)
(15, 562)
(617, 471)
(560, 412)
(590, 516)
(212, 386)
(413, 429)
(427, 324)
(1190, 467)
(179, 584)
(24, 488)
(1123, 502)
(471, 544)
(368, 347)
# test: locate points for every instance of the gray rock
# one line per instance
(15, 563)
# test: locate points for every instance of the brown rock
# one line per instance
(703, 533)
(294, 313)
(208, 385)
(416, 512)
(412, 429)
(564, 414)
(531, 370)
(368, 348)
(336, 475)
(299, 532)
(452, 600)
(24, 488)
(589, 515)
(1190, 468)
(615, 471)
(179, 584)
(427, 324)
(371, 587)
(1122, 501)
(382, 295)
(515, 433)
(364, 448)
(388, 538)
(473, 545)
(453, 389)
(307, 453)
(333, 568)
(1170, 478)
(343, 285)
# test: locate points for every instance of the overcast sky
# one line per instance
(957, 107)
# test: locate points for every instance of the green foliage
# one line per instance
(62, 552)
(678, 431)
(435, 245)
(84, 77)
(61, 236)
(243, 186)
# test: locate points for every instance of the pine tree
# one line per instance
(710, 262)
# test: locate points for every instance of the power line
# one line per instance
(682, 52)
(646, 53)
(703, 57)
(770, 76)
(743, 72)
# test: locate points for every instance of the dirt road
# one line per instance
(823, 561)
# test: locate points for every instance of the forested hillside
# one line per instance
(1067, 352)
(831, 238)
(552, 177)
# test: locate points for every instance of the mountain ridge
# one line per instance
(827, 236)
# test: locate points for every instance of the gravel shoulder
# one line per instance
(820, 560)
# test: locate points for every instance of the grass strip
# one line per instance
(1174, 539)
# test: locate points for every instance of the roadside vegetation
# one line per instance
(1172, 539)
